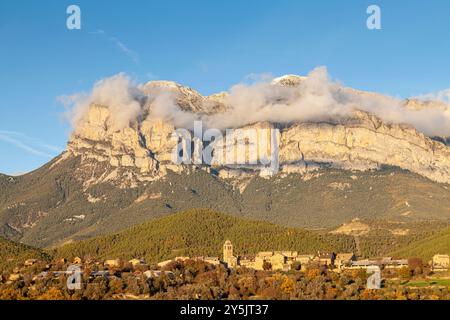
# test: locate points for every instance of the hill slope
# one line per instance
(202, 232)
(379, 237)
(13, 253)
(65, 200)
(427, 248)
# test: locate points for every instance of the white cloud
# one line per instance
(316, 98)
(117, 92)
(131, 54)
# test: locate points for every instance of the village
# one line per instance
(283, 261)
(292, 260)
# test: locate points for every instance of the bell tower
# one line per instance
(227, 252)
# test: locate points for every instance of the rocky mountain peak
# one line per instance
(291, 80)
(357, 141)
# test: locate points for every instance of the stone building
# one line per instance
(386, 263)
(77, 260)
(136, 262)
(440, 261)
(325, 258)
(112, 263)
(164, 263)
(343, 260)
(277, 260)
(29, 262)
(212, 260)
(304, 260)
(228, 257)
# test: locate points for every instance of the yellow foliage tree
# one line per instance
(52, 294)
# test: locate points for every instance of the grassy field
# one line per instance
(428, 283)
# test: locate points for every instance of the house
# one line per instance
(259, 262)
(182, 258)
(152, 273)
(247, 261)
(112, 263)
(136, 262)
(344, 259)
(278, 261)
(29, 262)
(361, 264)
(325, 258)
(395, 263)
(304, 260)
(157, 273)
(14, 277)
(386, 262)
(212, 260)
(290, 255)
(77, 260)
(40, 276)
(164, 263)
(264, 254)
(440, 261)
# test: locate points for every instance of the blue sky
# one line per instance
(208, 45)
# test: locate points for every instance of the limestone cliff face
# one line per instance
(359, 142)
(366, 144)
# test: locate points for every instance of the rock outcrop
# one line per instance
(359, 142)
(366, 143)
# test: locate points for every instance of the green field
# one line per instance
(431, 282)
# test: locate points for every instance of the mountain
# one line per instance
(428, 247)
(202, 233)
(51, 205)
(118, 171)
(357, 140)
(13, 253)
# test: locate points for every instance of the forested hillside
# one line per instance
(426, 248)
(13, 253)
(202, 232)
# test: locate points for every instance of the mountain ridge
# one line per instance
(358, 140)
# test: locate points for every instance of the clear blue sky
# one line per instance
(208, 45)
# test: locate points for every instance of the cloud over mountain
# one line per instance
(314, 98)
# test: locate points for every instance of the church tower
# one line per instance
(227, 252)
